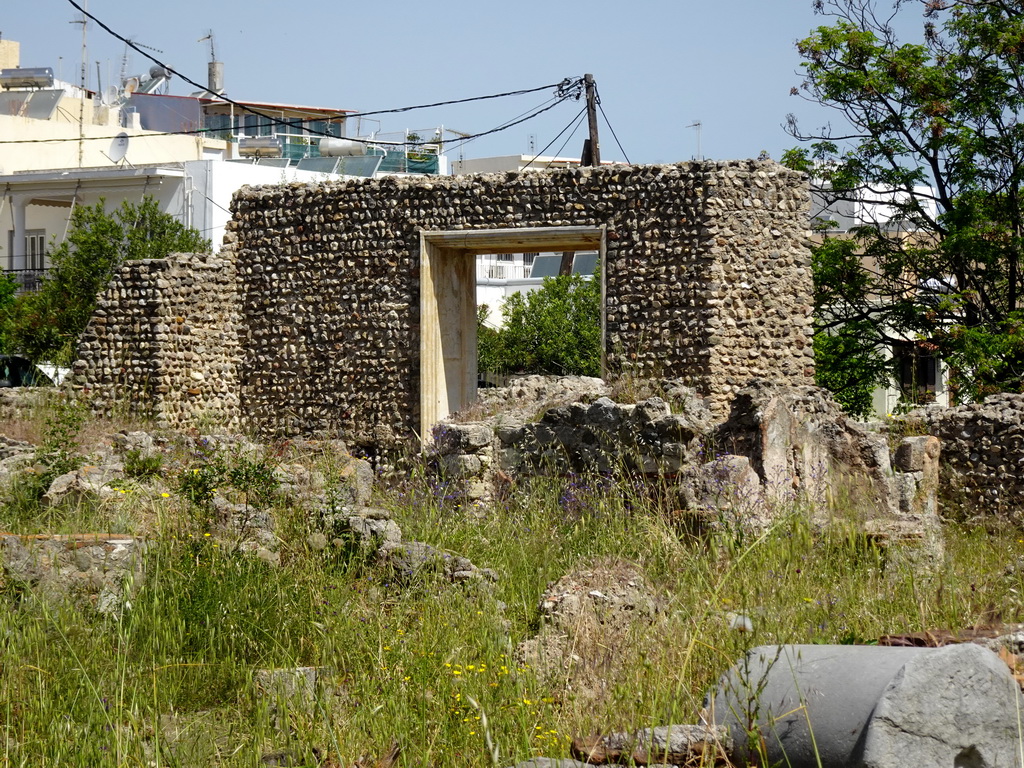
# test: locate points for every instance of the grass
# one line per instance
(426, 665)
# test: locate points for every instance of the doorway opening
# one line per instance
(448, 277)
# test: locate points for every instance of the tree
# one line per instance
(555, 330)
(934, 129)
(46, 324)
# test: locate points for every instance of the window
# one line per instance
(919, 372)
(34, 250)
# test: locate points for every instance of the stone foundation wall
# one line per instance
(982, 455)
(91, 569)
(707, 279)
(163, 341)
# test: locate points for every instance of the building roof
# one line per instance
(323, 111)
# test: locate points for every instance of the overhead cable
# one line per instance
(566, 88)
(609, 124)
(574, 124)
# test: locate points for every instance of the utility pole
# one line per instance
(591, 155)
(591, 147)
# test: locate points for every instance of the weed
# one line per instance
(252, 480)
(57, 454)
(142, 466)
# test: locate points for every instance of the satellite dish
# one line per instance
(118, 148)
(131, 85)
(110, 96)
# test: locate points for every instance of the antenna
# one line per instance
(698, 125)
(128, 43)
(85, 64)
(209, 36)
(85, 51)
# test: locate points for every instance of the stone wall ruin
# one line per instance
(163, 341)
(310, 320)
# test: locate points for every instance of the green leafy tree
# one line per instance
(934, 127)
(554, 330)
(8, 291)
(46, 324)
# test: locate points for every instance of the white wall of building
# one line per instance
(40, 152)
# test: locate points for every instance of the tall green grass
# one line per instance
(428, 665)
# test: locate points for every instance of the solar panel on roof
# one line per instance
(366, 165)
(546, 265)
(318, 164)
(42, 104)
(585, 263)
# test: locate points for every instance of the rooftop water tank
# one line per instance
(332, 147)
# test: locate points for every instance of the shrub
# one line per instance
(553, 330)
(46, 324)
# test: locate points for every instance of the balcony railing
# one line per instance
(489, 268)
(26, 279)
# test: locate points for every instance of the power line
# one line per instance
(609, 124)
(579, 121)
(369, 142)
(460, 143)
(574, 124)
(566, 89)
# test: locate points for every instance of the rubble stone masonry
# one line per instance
(309, 319)
(163, 342)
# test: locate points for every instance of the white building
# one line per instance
(921, 376)
(62, 146)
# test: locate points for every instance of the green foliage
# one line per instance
(199, 484)
(140, 466)
(57, 454)
(850, 367)
(554, 330)
(46, 324)
(8, 289)
(59, 451)
(251, 479)
(944, 112)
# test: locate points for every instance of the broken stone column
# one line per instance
(465, 455)
(913, 533)
(807, 706)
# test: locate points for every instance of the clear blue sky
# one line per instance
(660, 65)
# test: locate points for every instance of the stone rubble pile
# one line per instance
(588, 618)
(779, 445)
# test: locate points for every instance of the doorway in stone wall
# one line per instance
(448, 375)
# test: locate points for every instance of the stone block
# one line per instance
(918, 454)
